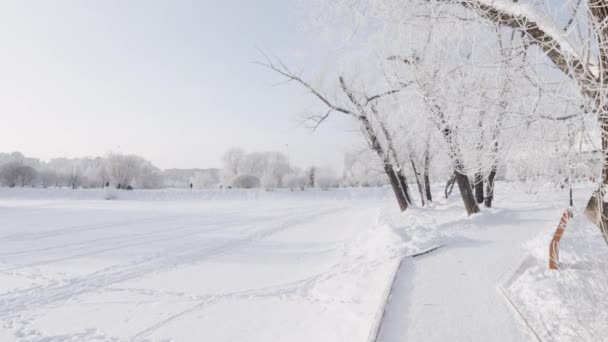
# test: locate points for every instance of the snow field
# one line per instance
(295, 266)
(169, 267)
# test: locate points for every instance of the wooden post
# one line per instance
(553, 247)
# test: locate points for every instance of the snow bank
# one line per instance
(568, 304)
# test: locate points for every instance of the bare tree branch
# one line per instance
(562, 56)
(574, 15)
(390, 92)
(279, 67)
(559, 118)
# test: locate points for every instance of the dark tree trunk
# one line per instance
(490, 187)
(397, 188)
(449, 186)
(492, 174)
(427, 179)
(427, 187)
(603, 210)
(479, 187)
(387, 155)
(403, 185)
(418, 182)
(478, 178)
(571, 200)
(464, 185)
(396, 178)
(598, 10)
(391, 156)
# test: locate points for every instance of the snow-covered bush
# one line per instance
(205, 180)
(245, 182)
(269, 182)
(14, 173)
(109, 193)
(324, 182)
(294, 181)
(326, 178)
(259, 164)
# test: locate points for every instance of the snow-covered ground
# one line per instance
(192, 266)
(569, 304)
(173, 265)
(491, 282)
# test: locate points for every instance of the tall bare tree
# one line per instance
(363, 109)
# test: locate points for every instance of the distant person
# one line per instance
(190, 186)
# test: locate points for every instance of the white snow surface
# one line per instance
(174, 265)
(490, 280)
(568, 304)
(178, 265)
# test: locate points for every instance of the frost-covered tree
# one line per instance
(269, 167)
(205, 180)
(132, 171)
(363, 168)
(16, 174)
(234, 160)
(363, 107)
(295, 180)
(480, 92)
(245, 182)
(327, 178)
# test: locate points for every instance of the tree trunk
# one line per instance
(397, 188)
(597, 208)
(599, 12)
(392, 156)
(479, 187)
(403, 185)
(571, 199)
(388, 154)
(464, 185)
(427, 187)
(449, 186)
(603, 222)
(478, 178)
(427, 179)
(490, 187)
(418, 182)
(494, 169)
(396, 177)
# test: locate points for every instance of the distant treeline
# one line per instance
(115, 170)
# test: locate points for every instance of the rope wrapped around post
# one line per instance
(557, 236)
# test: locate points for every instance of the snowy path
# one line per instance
(452, 294)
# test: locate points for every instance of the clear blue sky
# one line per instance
(172, 81)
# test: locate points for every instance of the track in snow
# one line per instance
(13, 303)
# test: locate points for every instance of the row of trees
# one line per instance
(462, 90)
(269, 170)
(272, 170)
(118, 170)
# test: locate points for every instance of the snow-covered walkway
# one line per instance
(453, 293)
